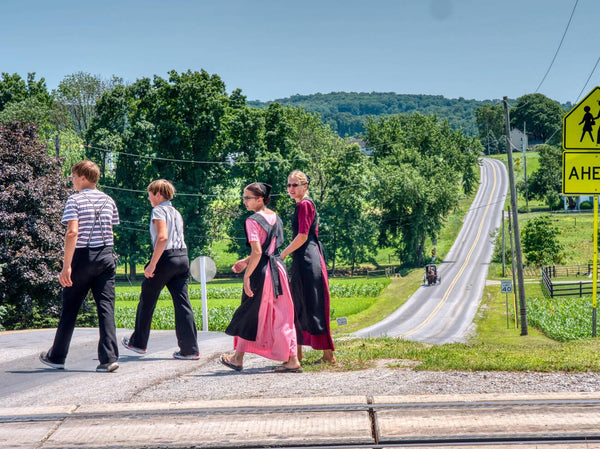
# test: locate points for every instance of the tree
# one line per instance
(349, 224)
(490, 123)
(421, 166)
(546, 182)
(15, 89)
(158, 127)
(541, 115)
(540, 242)
(32, 195)
(79, 92)
(49, 118)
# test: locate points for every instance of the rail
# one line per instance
(567, 288)
(542, 409)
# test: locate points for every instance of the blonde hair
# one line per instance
(88, 170)
(300, 176)
(162, 187)
(302, 179)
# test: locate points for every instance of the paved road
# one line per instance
(25, 381)
(444, 313)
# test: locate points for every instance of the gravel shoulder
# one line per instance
(212, 380)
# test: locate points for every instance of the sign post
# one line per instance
(581, 166)
(203, 269)
(506, 287)
(595, 267)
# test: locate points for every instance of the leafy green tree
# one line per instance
(541, 116)
(79, 93)
(546, 182)
(490, 123)
(49, 118)
(421, 167)
(14, 89)
(349, 224)
(540, 242)
(158, 127)
(32, 195)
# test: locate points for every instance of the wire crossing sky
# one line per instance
(270, 49)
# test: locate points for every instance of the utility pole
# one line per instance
(524, 146)
(515, 223)
(503, 248)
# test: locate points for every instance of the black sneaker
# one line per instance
(125, 342)
(107, 367)
(180, 356)
(46, 361)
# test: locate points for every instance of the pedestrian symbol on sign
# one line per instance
(588, 122)
(581, 125)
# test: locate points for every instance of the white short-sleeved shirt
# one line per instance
(93, 231)
(171, 216)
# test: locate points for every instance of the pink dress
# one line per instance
(275, 332)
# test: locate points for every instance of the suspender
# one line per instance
(172, 213)
(97, 219)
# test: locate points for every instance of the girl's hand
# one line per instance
(239, 266)
(247, 288)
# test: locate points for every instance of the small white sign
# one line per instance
(506, 286)
(342, 321)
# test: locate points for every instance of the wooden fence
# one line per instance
(567, 288)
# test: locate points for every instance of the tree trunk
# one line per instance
(132, 272)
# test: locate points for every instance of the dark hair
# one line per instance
(261, 190)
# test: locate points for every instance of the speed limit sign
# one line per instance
(506, 286)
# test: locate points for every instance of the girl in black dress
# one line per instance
(309, 282)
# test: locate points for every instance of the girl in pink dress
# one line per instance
(263, 324)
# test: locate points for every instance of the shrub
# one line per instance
(540, 242)
(32, 194)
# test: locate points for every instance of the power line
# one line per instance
(588, 80)
(200, 195)
(559, 45)
(192, 161)
(197, 195)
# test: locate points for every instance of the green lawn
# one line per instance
(349, 297)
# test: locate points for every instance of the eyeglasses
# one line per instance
(246, 198)
(295, 185)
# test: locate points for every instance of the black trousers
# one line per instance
(92, 269)
(172, 271)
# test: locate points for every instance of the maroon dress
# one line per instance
(309, 282)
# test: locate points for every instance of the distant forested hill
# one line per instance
(347, 112)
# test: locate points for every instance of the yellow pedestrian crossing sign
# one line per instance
(581, 126)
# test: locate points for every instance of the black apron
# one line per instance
(307, 283)
(244, 322)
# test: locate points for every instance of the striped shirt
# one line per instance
(83, 207)
(171, 216)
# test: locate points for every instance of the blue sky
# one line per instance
(476, 49)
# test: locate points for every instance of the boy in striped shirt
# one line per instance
(88, 264)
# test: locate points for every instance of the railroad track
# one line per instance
(489, 423)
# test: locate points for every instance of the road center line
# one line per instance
(462, 268)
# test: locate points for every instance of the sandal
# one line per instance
(323, 361)
(285, 369)
(226, 360)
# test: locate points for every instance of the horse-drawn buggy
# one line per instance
(431, 276)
